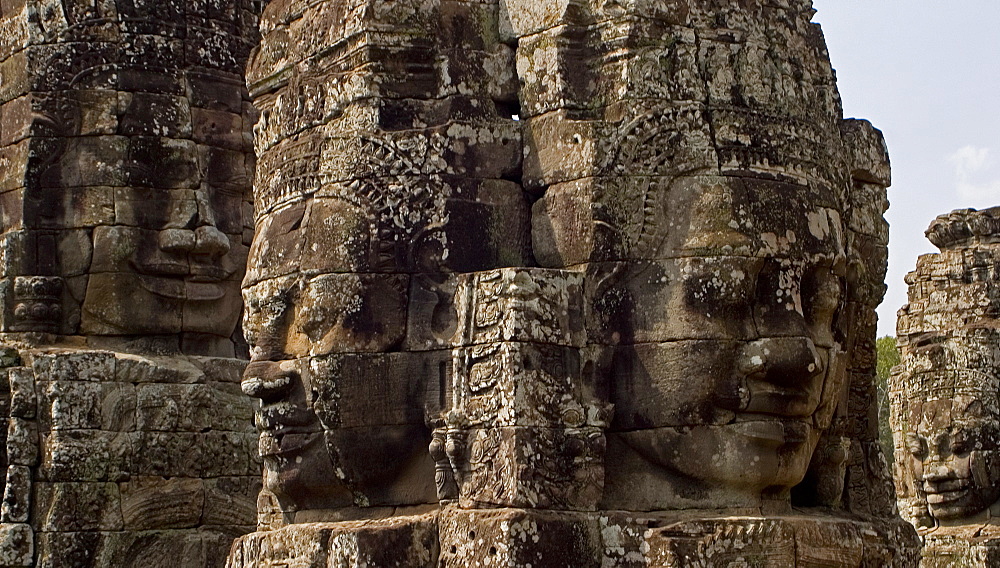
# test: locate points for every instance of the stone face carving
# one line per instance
(126, 167)
(946, 392)
(519, 265)
(127, 208)
(376, 188)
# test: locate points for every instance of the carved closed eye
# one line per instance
(916, 445)
(961, 444)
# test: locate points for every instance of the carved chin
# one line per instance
(745, 455)
(303, 477)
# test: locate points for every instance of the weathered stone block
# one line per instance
(194, 455)
(869, 154)
(189, 408)
(17, 545)
(22, 442)
(519, 537)
(231, 501)
(525, 384)
(23, 402)
(76, 506)
(526, 305)
(71, 405)
(72, 366)
(370, 389)
(546, 468)
(136, 369)
(67, 549)
(85, 455)
(156, 503)
(559, 149)
(17, 493)
(398, 542)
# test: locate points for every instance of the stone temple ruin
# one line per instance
(126, 165)
(550, 283)
(946, 393)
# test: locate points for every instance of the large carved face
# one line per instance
(341, 419)
(955, 456)
(953, 434)
(173, 259)
(735, 364)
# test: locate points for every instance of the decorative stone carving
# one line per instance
(526, 271)
(126, 167)
(945, 393)
(371, 199)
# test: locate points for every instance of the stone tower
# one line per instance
(563, 283)
(945, 393)
(126, 167)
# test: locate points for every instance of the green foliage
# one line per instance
(888, 357)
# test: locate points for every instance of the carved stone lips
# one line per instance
(948, 491)
(770, 429)
(792, 404)
(287, 441)
(285, 428)
(183, 281)
(282, 415)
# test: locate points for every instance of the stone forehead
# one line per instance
(754, 217)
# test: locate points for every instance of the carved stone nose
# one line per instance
(780, 360)
(781, 376)
(211, 241)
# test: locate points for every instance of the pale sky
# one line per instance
(926, 73)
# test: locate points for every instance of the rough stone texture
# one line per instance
(125, 198)
(124, 460)
(945, 393)
(126, 166)
(563, 283)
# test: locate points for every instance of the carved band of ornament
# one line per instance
(37, 303)
(485, 366)
(947, 383)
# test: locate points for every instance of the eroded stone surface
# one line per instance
(944, 393)
(519, 264)
(126, 174)
(106, 467)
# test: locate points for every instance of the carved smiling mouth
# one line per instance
(195, 282)
(769, 429)
(286, 429)
(286, 442)
(946, 492)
